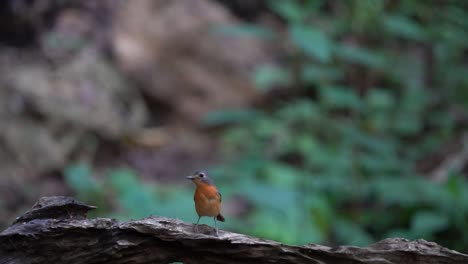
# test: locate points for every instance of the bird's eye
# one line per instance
(201, 175)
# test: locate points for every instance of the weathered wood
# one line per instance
(55, 230)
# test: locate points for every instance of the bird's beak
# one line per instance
(189, 177)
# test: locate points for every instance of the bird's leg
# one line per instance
(196, 225)
(216, 227)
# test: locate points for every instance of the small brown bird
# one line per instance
(207, 198)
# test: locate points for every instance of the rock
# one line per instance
(48, 110)
(174, 50)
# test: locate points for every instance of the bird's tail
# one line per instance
(220, 218)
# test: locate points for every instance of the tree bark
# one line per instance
(55, 230)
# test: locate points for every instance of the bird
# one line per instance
(207, 198)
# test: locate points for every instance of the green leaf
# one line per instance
(291, 10)
(322, 214)
(407, 124)
(300, 111)
(373, 163)
(79, 178)
(227, 117)
(281, 175)
(340, 97)
(375, 145)
(366, 13)
(316, 74)
(268, 76)
(359, 55)
(414, 99)
(305, 144)
(455, 184)
(351, 233)
(404, 27)
(177, 202)
(272, 224)
(426, 223)
(137, 200)
(275, 198)
(312, 41)
(266, 128)
(123, 179)
(380, 99)
(396, 191)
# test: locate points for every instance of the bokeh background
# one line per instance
(331, 122)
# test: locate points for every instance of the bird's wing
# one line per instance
(220, 196)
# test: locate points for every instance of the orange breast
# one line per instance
(207, 200)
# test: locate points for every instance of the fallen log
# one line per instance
(56, 230)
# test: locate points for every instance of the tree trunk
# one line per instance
(55, 230)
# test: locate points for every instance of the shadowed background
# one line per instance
(332, 122)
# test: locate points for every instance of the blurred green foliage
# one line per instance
(120, 194)
(372, 85)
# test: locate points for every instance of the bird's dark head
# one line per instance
(200, 177)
